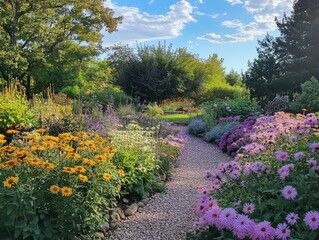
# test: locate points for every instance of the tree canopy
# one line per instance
(48, 38)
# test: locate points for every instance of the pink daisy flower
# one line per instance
(282, 231)
(263, 231)
(312, 220)
(292, 218)
(289, 192)
(249, 208)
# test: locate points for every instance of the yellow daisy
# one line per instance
(69, 170)
(54, 189)
(88, 161)
(66, 191)
(121, 172)
(12, 131)
(107, 176)
(83, 178)
(10, 181)
(80, 169)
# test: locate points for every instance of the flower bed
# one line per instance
(269, 193)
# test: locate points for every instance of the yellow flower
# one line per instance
(3, 141)
(80, 169)
(69, 170)
(10, 181)
(35, 161)
(121, 172)
(74, 156)
(66, 191)
(50, 138)
(83, 178)
(12, 131)
(2, 136)
(64, 135)
(41, 130)
(68, 148)
(82, 134)
(107, 176)
(37, 148)
(46, 165)
(88, 161)
(100, 158)
(54, 189)
(10, 164)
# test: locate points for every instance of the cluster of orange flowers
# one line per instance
(66, 153)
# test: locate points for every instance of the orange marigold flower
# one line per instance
(41, 130)
(10, 181)
(82, 134)
(12, 131)
(54, 189)
(80, 169)
(121, 172)
(69, 170)
(66, 191)
(74, 156)
(83, 178)
(107, 176)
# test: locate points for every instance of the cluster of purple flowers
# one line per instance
(176, 140)
(285, 170)
(265, 130)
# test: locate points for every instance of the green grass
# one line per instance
(179, 118)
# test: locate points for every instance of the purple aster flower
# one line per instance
(282, 231)
(312, 163)
(249, 208)
(289, 192)
(200, 209)
(284, 175)
(292, 218)
(227, 217)
(282, 156)
(213, 215)
(314, 146)
(293, 138)
(235, 174)
(312, 220)
(263, 231)
(212, 203)
(241, 226)
(299, 155)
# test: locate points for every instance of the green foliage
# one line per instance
(157, 72)
(196, 127)
(15, 110)
(178, 104)
(218, 130)
(42, 41)
(309, 97)
(154, 110)
(212, 111)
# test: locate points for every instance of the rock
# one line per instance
(131, 210)
(145, 201)
(99, 235)
(121, 213)
(140, 204)
(115, 216)
(105, 227)
(125, 200)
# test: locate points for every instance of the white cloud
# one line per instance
(263, 12)
(234, 2)
(151, 1)
(141, 26)
(200, 1)
(211, 37)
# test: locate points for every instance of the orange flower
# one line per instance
(69, 170)
(74, 156)
(107, 176)
(46, 165)
(83, 178)
(40, 130)
(121, 172)
(66, 191)
(80, 169)
(54, 189)
(10, 181)
(12, 131)
(88, 161)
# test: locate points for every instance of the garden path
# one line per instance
(169, 215)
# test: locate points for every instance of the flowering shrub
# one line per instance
(57, 186)
(178, 104)
(268, 195)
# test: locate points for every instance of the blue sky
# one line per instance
(229, 28)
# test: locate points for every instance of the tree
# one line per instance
(234, 79)
(262, 72)
(154, 73)
(298, 45)
(38, 36)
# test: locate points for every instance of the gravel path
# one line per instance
(169, 215)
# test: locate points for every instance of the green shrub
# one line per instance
(196, 127)
(15, 110)
(218, 130)
(154, 110)
(309, 97)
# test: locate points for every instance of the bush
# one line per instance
(154, 110)
(227, 92)
(57, 187)
(309, 97)
(178, 104)
(15, 110)
(278, 104)
(269, 194)
(218, 130)
(196, 127)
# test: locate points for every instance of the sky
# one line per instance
(229, 28)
